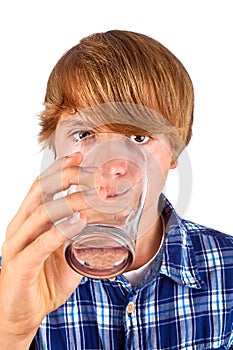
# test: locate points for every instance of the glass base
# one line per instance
(100, 251)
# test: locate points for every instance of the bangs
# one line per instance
(84, 81)
(127, 118)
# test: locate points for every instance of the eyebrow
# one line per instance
(72, 123)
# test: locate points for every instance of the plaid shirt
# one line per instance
(184, 301)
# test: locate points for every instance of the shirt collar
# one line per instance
(179, 260)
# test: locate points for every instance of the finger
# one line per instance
(30, 202)
(42, 219)
(64, 207)
(63, 179)
(73, 225)
(39, 250)
(33, 198)
(73, 159)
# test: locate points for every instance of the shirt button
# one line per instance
(130, 308)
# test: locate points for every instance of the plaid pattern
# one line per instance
(185, 300)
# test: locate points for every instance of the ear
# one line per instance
(173, 164)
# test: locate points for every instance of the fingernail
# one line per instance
(72, 189)
(74, 218)
(88, 169)
(91, 192)
(73, 154)
(58, 222)
(70, 155)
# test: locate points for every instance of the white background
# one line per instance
(34, 34)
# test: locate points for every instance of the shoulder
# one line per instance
(197, 230)
(186, 228)
(209, 243)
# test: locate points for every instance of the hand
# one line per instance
(35, 278)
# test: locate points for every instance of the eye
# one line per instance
(80, 134)
(140, 139)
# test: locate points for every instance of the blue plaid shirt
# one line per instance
(184, 301)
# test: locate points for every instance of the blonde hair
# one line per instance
(119, 66)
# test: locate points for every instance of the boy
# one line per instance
(178, 294)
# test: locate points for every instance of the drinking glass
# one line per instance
(105, 247)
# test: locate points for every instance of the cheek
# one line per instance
(159, 164)
(62, 146)
(157, 174)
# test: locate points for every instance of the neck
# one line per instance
(148, 244)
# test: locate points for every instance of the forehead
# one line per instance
(117, 117)
(111, 113)
(76, 121)
(69, 121)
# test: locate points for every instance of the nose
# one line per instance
(114, 168)
(114, 155)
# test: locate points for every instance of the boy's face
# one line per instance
(157, 149)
